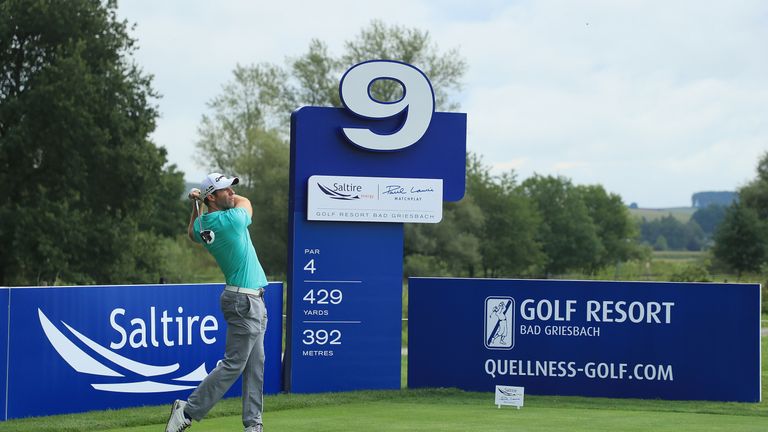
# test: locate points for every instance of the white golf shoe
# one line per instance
(256, 428)
(177, 422)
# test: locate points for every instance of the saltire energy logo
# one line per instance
(129, 376)
(335, 194)
(499, 323)
(505, 391)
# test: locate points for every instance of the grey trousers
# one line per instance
(244, 354)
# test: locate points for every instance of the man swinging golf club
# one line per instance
(223, 231)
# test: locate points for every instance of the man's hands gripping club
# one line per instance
(194, 194)
(208, 236)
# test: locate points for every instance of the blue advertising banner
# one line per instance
(681, 341)
(74, 349)
(4, 293)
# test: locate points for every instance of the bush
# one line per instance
(764, 289)
(424, 265)
(182, 261)
(691, 273)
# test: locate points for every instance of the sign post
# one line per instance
(351, 169)
(4, 318)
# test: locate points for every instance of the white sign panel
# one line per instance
(508, 395)
(375, 199)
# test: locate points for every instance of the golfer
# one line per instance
(225, 230)
(501, 332)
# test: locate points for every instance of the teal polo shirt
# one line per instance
(232, 247)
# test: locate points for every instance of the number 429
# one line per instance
(324, 297)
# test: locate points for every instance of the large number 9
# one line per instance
(418, 98)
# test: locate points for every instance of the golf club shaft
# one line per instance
(197, 206)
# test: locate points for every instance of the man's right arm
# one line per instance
(193, 195)
(191, 226)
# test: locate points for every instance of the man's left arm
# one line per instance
(244, 203)
(194, 195)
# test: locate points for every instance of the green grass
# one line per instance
(680, 266)
(436, 413)
(434, 410)
(679, 256)
(683, 214)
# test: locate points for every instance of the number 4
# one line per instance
(310, 267)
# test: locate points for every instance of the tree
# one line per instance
(509, 243)
(709, 217)
(86, 192)
(451, 247)
(492, 229)
(411, 46)
(677, 235)
(613, 225)
(741, 241)
(246, 133)
(568, 234)
(755, 194)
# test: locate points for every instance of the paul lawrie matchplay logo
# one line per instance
(129, 376)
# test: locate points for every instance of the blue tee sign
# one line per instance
(345, 269)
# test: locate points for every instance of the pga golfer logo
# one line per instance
(499, 322)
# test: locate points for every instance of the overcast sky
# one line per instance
(655, 100)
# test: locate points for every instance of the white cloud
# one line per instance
(510, 165)
(561, 167)
(654, 100)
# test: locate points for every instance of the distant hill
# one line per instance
(699, 200)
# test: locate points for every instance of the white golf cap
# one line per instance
(215, 181)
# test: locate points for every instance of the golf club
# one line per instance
(207, 235)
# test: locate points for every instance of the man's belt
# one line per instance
(256, 292)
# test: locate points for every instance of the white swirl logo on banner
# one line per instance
(86, 363)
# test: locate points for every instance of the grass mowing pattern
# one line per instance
(461, 415)
(407, 409)
(429, 410)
